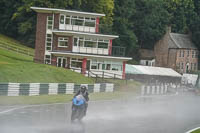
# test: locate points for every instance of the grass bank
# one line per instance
(19, 68)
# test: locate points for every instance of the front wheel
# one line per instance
(73, 115)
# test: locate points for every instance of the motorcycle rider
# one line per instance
(83, 91)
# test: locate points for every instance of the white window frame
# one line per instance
(111, 63)
(63, 39)
(182, 65)
(60, 18)
(46, 59)
(47, 41)
(193, 54)
(91, 19)
(97, 40)
(188, 53)
(62, 61)
(49, 21)
(76, 60)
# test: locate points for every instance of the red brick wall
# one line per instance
(55, 43)
(40, 37)
(172, 58)
(56, 20)
(186, 59)
(161, 51)
(53, 60)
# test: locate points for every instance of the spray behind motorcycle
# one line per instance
(78, 108)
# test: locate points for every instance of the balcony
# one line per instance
(77, 28)
(116, 51)
(100, 28)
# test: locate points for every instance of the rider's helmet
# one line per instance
(83, 89)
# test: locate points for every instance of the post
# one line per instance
(84, 64)
(124, 72)
(102, 75)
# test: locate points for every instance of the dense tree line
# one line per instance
(139, 23)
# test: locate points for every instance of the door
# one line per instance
(61, 62)
(187, 67)
(75, 45)
(88, 65)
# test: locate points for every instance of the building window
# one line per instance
(62, 19)
(48, 41)
(106, 65)
(47, 59)
(90, 22)
(77, 20)
(91, 42)
(103, 43)
(183, 52)
(94, 64)
(117, 66)
(63, 42)
(67, 19)
(193, 54)
(76, 63)
(188, 53)
(182, 65)
(50, 22)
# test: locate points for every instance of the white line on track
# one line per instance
(193, 130)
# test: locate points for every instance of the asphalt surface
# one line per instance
(156, 114)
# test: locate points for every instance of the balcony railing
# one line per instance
(78, 28)
(101, 28)
(116, 51)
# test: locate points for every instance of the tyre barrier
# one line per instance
(34, 89)
(160, 89)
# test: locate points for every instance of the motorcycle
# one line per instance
(78, 108)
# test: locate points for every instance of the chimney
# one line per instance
(169, 29)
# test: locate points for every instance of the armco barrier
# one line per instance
(34, 89)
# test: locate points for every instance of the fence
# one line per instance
(98, 74)
(16, 49)
(34, 89)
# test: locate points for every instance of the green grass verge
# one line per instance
(16, 67)
(196, 131)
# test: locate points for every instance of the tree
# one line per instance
(194, 23)
(123, 26)
(150, 22)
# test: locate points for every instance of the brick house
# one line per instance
(176, 51)
(71, 39)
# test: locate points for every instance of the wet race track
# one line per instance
(158, 114)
